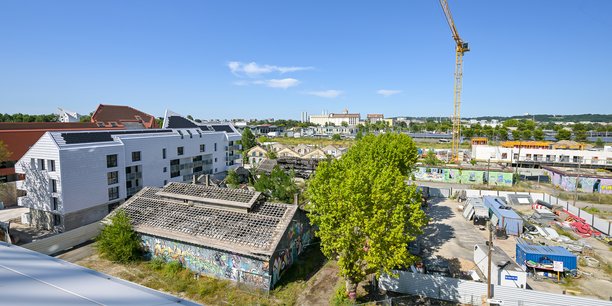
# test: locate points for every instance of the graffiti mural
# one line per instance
(462, 176)
(299, 236)
(210, 262)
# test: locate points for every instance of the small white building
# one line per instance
(76, 178)
(68, 116)
(504, 270)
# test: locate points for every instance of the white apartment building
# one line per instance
(76, 178)
(509, 155)
(336, 119)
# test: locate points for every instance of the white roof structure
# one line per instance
(31, 278)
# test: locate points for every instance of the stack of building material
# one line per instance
(471, 204)
(578, 224)
(543, 215)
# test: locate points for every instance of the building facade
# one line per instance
(76, 178)
(336, 119)
(500, 154)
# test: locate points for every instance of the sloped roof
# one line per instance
(120, 113)
(255, 232)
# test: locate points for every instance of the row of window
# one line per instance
(111, 160)
(42, 164)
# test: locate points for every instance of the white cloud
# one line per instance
(273, 83)
(388, 92)
(278, 83)
(253, 69)
(330, 93)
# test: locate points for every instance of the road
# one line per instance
(12, 213)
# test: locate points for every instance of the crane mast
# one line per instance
(460, 49)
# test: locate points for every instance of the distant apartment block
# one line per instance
(535, 154)
(336, 119)
(76, 178)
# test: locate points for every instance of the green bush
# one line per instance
(340, 297)
(157, 263)
(118, 242)
(172, 268)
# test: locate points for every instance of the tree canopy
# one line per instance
(365, 212)
(278, 185)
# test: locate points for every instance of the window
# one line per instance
(51, 165)
(136, 183)
(111, 161)
(128, 184)
(112, 177)
(114, 124)
(136, 156)
(175, 168)
(202, 148)
(165, 169)
(128, 170)
(504, 155)
(215, 147)
(165, 182)
(41, 164)
(215, 159)
(53, 185)
(179, 151)
(164, 153)
(54, 203)
(113, 193)
(57, 220)
(100, 124)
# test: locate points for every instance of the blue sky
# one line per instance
(246, 59)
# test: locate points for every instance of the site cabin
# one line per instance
(504, 271)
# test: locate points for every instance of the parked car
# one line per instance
(437, 266)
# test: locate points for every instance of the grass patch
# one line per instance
(340, 298)
(587, 197)
(173, 278)
(321, 142)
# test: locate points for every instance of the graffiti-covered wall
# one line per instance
(216, 263)
(297, 237)
(463, 176)
(585, 184)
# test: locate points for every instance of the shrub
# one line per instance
(118, 242)
(340, 297)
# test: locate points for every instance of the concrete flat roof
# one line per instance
(31, 278)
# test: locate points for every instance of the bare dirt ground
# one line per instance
(320, 287)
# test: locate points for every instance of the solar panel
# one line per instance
(88, 137)
(223, 128)
(178, 122)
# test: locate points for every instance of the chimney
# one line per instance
(295, 199)
(193, 179)
(207, 180)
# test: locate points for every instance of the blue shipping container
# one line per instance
(508, 218)
(544, 254)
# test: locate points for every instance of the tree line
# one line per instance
(19, 117)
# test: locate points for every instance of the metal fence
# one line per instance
(599, 224)
(472, 293)
(60, 242)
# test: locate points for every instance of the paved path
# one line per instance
(12, 213)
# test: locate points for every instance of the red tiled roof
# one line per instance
(120, 113)
(46, 125)
(20, 136)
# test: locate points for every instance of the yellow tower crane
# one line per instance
(460, 49)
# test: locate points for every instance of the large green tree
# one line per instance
(365, 212)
